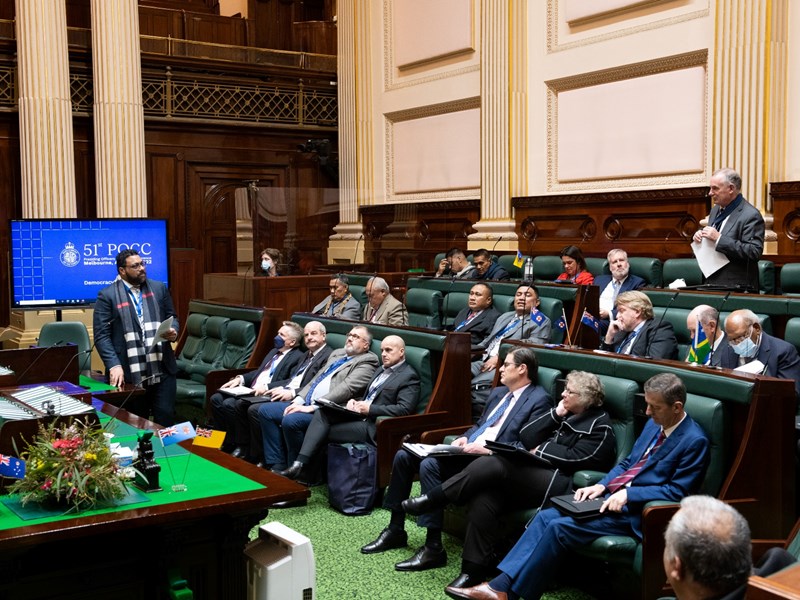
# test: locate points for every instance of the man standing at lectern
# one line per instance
(736, 228)
(126, 318)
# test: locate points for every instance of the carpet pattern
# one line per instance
(344, 573)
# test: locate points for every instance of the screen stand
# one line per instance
(58, 314)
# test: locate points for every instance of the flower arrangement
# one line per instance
(70, 465)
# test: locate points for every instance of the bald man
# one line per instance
(393, 392)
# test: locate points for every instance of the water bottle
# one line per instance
(527, 270)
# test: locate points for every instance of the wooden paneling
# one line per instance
(785, 198)
(186, 279)
(11, 204)
(318, 37)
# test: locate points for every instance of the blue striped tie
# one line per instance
(322, 377)
(493, 418)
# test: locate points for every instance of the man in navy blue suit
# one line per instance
(510, 406)
(747, 342)
(667, 462)
(613, 285)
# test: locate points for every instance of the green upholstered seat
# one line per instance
(766, 276)
(359, 292)
(57, 333)
(553, 309)
(424, 308)
(648, 268)
(503, 303)
(195, 340)
(597, 266)
(682, 268)
(507, 262)
(452, 304)
(240, 337)
(547, 268)
(792, 332)
(790, 279)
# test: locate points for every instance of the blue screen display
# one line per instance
(66, 262)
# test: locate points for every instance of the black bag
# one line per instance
(352, 478)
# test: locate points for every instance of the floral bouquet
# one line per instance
(70, 466)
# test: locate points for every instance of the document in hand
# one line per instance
(237, 390)
(426, 450)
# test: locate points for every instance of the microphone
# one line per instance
(125, 401)
(84, 352)
(666, 239)
(355, 253)
(244, 284)
(491, 253)
(21, 378)
(719, 320)
(663, 314)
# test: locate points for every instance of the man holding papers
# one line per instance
(510, 406)
(735, 230)
(127, 316)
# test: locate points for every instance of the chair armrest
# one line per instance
(655, 517)
(586, 478)
(214, 380)
(393, 431)
(435, 436)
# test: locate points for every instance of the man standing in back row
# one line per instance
(126, 317)
(736, 229)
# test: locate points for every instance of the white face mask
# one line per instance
(266, 264)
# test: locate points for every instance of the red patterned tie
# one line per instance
(623, 479)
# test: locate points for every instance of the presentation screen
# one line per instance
(62, 263)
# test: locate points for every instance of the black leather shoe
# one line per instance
(465, 580)
(425, 558)
(292, 472)
(419, 505)
(239, 452)
(389, 539)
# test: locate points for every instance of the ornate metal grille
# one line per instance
(8, 87)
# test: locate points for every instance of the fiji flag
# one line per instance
(12, 467)
(518, 262)
(537, 316)
(700, 352)
(589, 320)
(176, 433)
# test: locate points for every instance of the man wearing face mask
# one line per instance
(270, 257)
(747, 342)
(230, 412)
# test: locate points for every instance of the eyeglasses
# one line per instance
(356, 336)
(135, 266)
(510, 363)
(738, 339)
(570, 392)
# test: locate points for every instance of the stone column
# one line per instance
(118, 111)
(355, 128)
(496, 214)
(45, 110)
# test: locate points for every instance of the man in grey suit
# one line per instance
(383, 308)
(346, 375)
(736, 228)
(393, 392)
(340, 304)
(525, 322)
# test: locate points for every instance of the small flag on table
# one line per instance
(561, 323)
(700, 352)
(518, 262)
(12, 467)
(176, 433)
(537, 316)
(209, 438)
(589, 320)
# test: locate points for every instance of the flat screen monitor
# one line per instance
(63, 263)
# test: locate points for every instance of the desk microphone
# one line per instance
(125, 401)
(495, 246)
(658, 325)
(355, 254)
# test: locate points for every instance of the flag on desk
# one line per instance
(589, 320)
(537, 316)
(518, 261)
(12, 467)
(210, 438)
(561, 323)
(176, 433)
(700, 352)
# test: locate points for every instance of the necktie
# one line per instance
(376, 384)
(493, 418)
(515, 322)
(469, 318)
(626, 344)
(306, 361)
(321, 378)
(623, 479)
(615, 285)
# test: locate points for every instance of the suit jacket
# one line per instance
(109, 335)
(632, 282)
(351, 309)
(350, 379)
(480, 326)
(779, 357)
(674, 470)
(495, 272)
(538, 333)
(287, 365)
(742, 241)
(390, 312)
(319, 360)
(656, 339)
(720, 351)
(534, 401)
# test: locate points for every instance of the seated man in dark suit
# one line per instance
(277, 366)
(747, 342)
(393, 392)
(341, 304)
(479, 316)
(486, 268)
(318, 351)
(636, 332)
(613, 285)
(707, 318)
(668, 462)
(510, 406)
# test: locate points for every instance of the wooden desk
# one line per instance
(783, 584)
(126, 553)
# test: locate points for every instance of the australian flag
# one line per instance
(12, 467)
(589, 320)
(176, 433)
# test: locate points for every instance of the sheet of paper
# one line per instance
(708, 259)
(756, 367)
(238, 390)
(162, 329)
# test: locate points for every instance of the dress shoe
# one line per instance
(289, 503)
(292, 472)
(425, 558)
(239, 452)
(465, 580)
(479, 592)
(419, 505)
(389, 539)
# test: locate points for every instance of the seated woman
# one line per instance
(573, 436)
(575, 270)
(270, 257)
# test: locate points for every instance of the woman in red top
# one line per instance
(574, 267)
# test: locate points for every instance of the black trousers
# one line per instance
(331, 426)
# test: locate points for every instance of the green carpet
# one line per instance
(344, 573)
